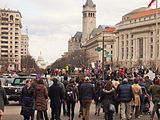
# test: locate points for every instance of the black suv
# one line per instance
(14, 90)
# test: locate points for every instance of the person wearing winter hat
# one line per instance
(125, 96)
(87, 92)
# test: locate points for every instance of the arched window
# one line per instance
(89, 14)
(11, 17)
(93, 15)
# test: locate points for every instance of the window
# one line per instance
(4, 55)
(4, 37)
(151, 51)
(4, 51)
(3, 28)
(127, 53)
(4, 42)
(132, 36)
(157, 50)
(127, 42)
(11, 17)
(122, 43)
(131, 42)
(151, 39)
(126, 36)
(131, 52)
(122, 53)
(4, 46)
(140, 47)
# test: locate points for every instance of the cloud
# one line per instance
(51, 23)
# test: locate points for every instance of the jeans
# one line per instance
(81, 107)
(86, 108)
(70, 108)
(64, 108)
(41, 115)
(109, 115)
(55, 113)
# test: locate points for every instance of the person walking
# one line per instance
(3, 99)
(27, 101)
(56, 95)
(136, 88)
(41, 98)
(98, 90)
(108, 97)
(154, 90)
(125, 96)
(87, 92)
(71, 98)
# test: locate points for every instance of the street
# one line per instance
(12, 112)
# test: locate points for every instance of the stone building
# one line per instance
(10, 38)
(75, 42)
(89, 20)
(98, 35)
(136, 40)
(91, 37)
(24, 45)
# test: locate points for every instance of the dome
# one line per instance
(40, 58)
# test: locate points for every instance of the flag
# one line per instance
(150, 4)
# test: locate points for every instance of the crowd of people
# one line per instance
(128, 95)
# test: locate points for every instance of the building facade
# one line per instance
(136, 40)
(10, 38)
(97, 37)
(24, 45)
(89, 20)
(75, 42)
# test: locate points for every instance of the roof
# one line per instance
(141, 12)
(10, 11)
(144, 13)
(102, 28)
(78, 36)
(109, 29)
(89, 3)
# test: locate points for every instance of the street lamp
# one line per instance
(103, 57)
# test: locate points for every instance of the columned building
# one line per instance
(136, 40)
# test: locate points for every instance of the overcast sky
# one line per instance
(51, 23)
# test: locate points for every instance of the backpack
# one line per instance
(70, 94)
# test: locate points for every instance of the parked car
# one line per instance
(13, 91)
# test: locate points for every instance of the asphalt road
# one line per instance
(12, 112)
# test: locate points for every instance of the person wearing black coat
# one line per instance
(3, 99)
(108, 97)
(27, 101)
(56, 95)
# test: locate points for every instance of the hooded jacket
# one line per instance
(107, 98)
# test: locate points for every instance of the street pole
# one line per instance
(156, 32)
(103, 58)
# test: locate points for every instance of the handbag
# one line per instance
(112, 108)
